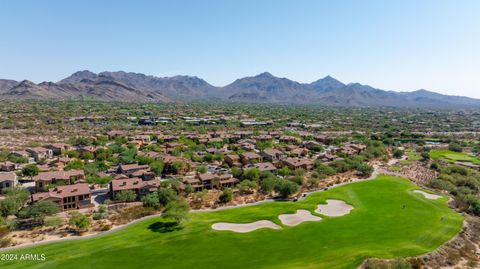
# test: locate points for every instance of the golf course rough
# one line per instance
(389, 220)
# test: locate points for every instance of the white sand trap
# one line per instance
(428, 195)
(244, 227)
(334, 208)
(297, 218)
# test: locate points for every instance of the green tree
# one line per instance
(455, 146)
(157, 167)
(20, 194)
(30, 170)
(126, 196)
(286, 188)
(176, 210)
(237, 172)
(166, 195)
(398, 153)
(79, 220)
(202, 169)
(88, 156)
(296, 179)
(324, 171)
(151, 200)
(247, 186)
(284, 171)
(252, 174)
(425, 156)
(39, 210)
(178, 166)
(226, 196)
(9, 206)
(74, 165)
(364, 169)
(268, 185)
(189, 189)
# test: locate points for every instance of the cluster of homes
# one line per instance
(69, 189)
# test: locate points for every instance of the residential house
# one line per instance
(7, 180)
(22, 154)
(232, 160)
(272, 154)
(64, 177)
(138, 185)
(217, 181)
(114, 134)
(143, 174)
(207, 179)
(227, 180)
(250, 157)
(263, 137)
(295, 163)
(58, 148)
(66, 197)
(128, 169)
(289, 139)
(145, 139)
(8, 166)
(265, 167)
(312, 145)
(327, 157)
(40, 153)
(193, 181)
(351, 149)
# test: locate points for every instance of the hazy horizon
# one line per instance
(400, 46)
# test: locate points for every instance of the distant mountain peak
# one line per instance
(79, 76)
(422, 91)
(265, 75)
(25, 83)
(260, 88)
(326, 84)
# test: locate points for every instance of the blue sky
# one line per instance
(399, 45)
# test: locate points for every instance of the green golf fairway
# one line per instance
(389, 220)
(454, 156)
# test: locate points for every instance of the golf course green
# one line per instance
(388, 220)
(452, 156)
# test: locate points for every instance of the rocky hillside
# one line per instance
(262, 88)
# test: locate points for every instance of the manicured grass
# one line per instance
(454, 156)
(389, 220)
(413, 155)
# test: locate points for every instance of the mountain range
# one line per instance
(262, 88)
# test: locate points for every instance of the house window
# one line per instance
(7, 184)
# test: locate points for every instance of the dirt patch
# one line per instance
(297, 218)
(334, 208)
(244, 227)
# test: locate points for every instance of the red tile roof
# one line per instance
(61, 192)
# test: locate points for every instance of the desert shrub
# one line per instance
(226, 196)
(286, 188)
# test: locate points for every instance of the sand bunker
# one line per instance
(244, 227)
(428, 195)
(334, 208)
(297, 218)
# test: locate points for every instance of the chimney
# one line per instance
(74, 190)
